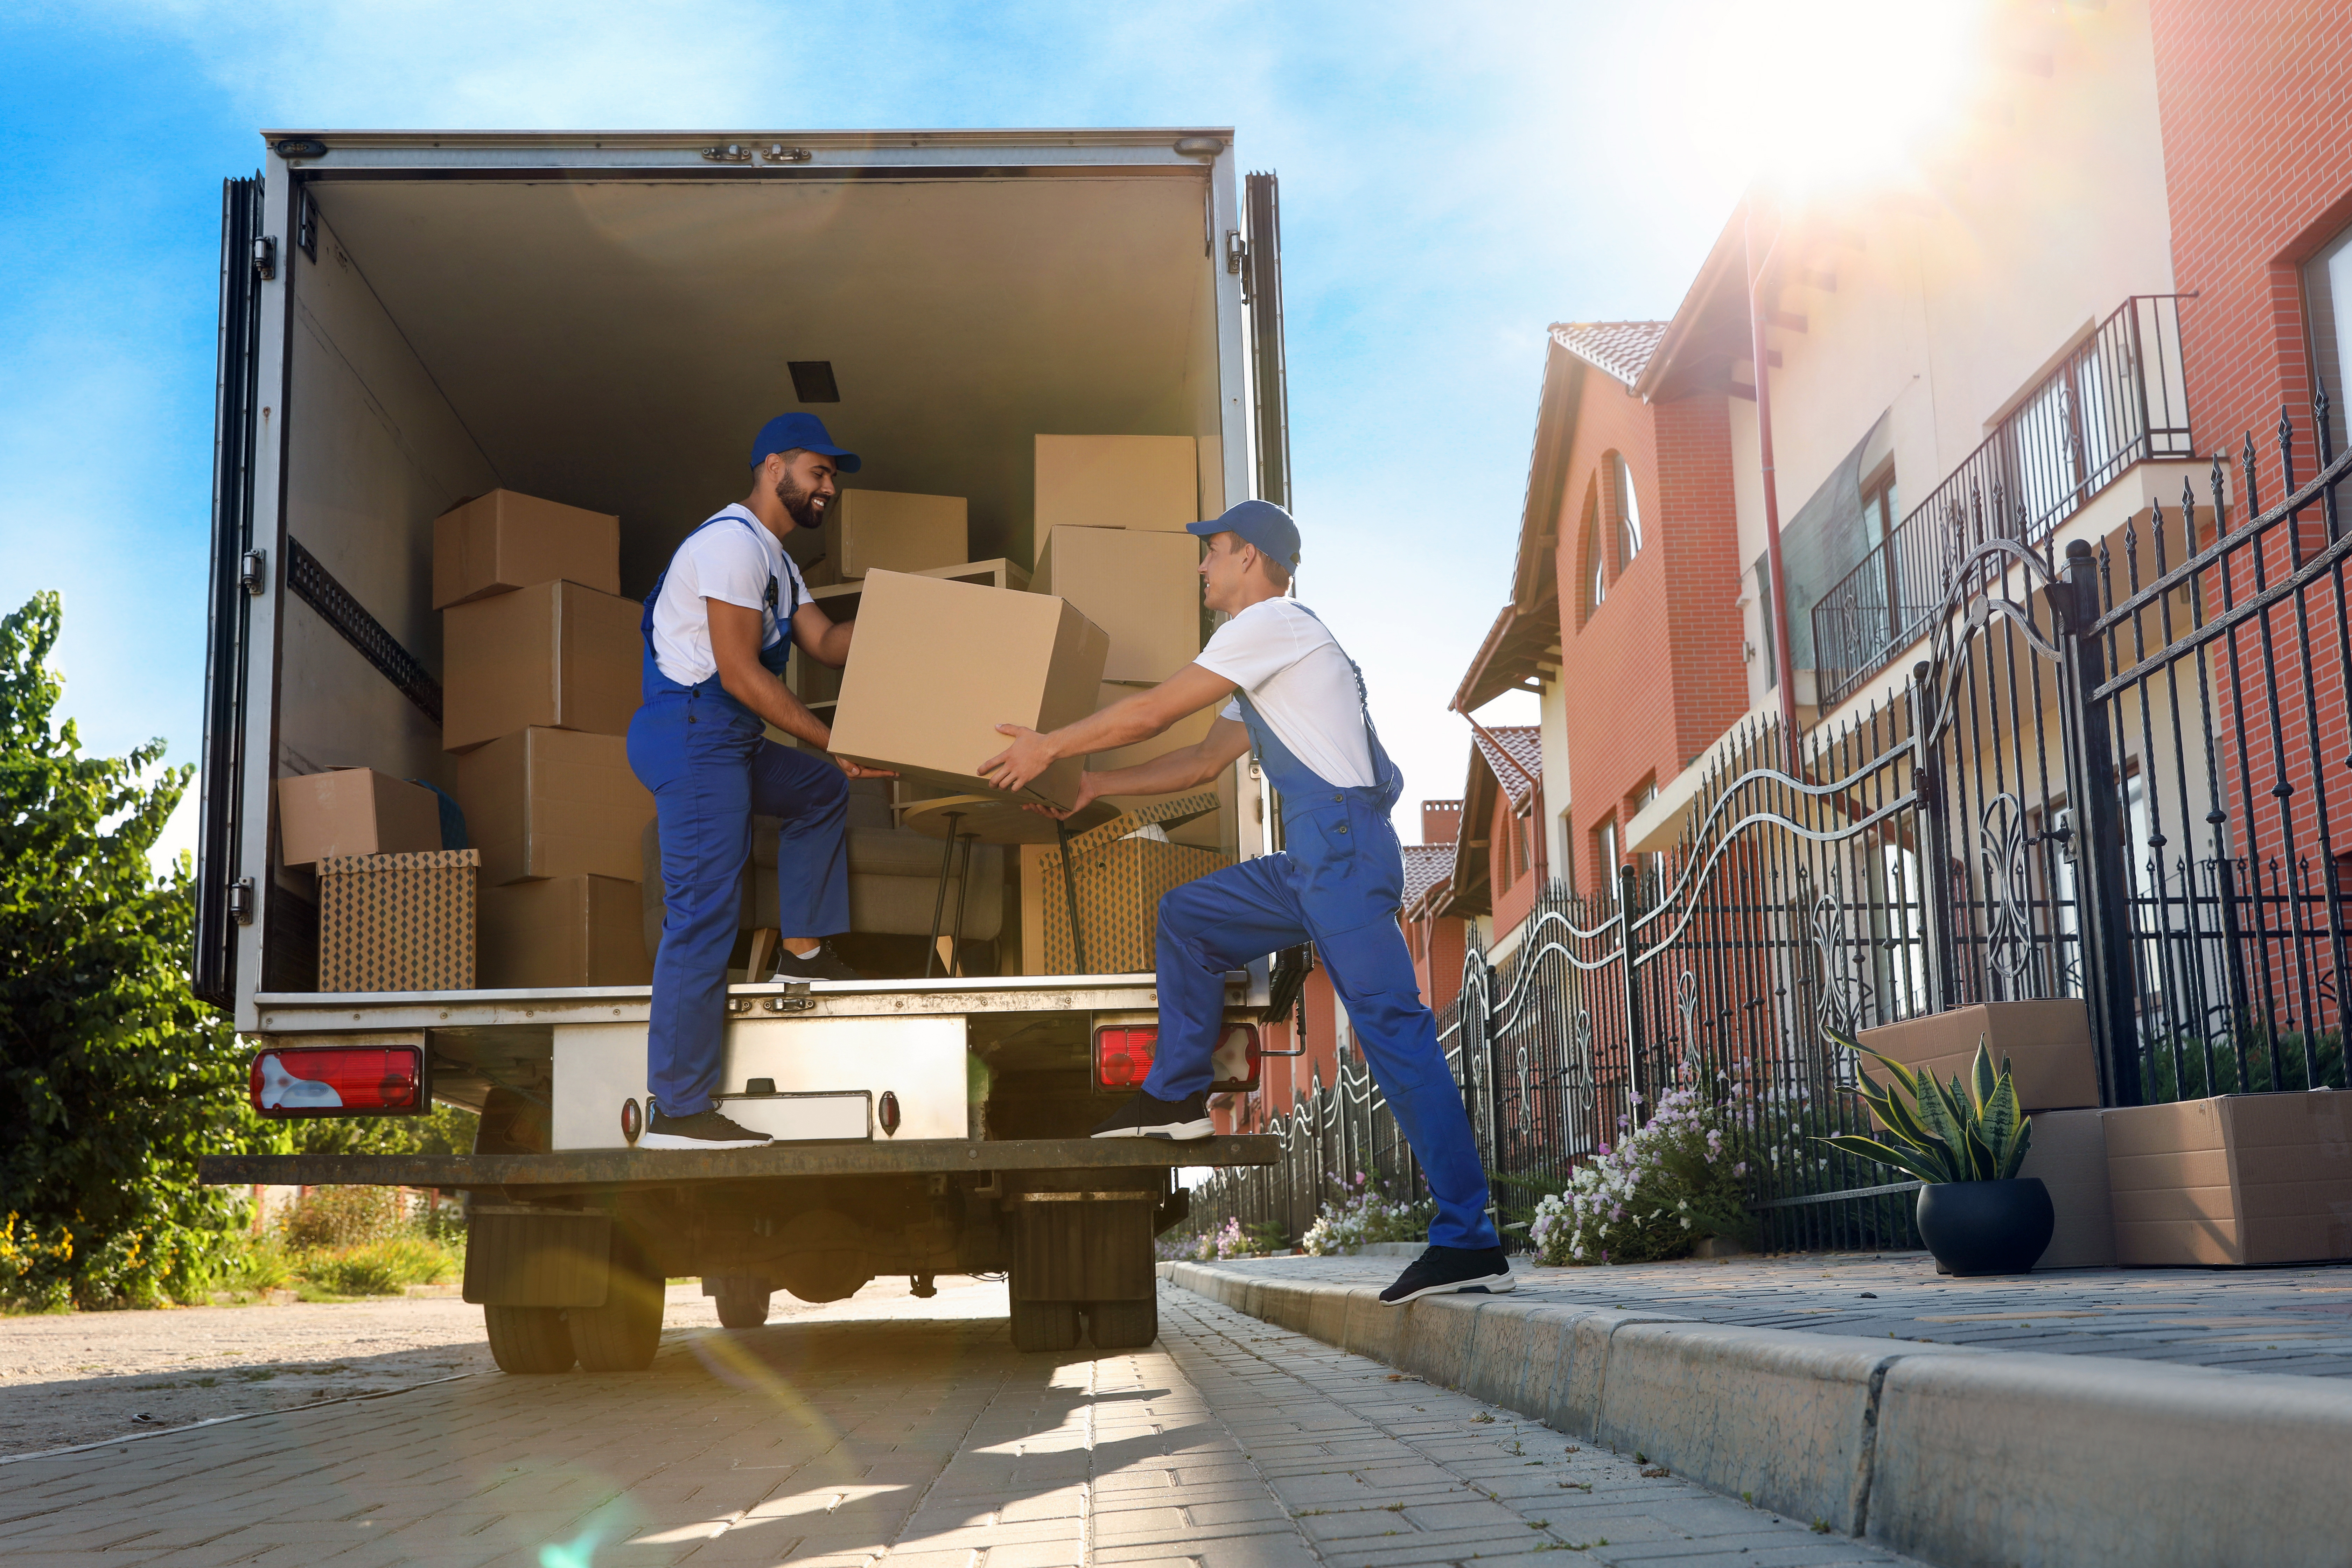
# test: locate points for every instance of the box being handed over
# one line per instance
(936, 665)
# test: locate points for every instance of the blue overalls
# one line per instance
(711, 767)
(1337, 882)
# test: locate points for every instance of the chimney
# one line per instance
(1441, 821)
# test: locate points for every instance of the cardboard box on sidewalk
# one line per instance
(1142, 588)
(938, 665)
(1118, 879)
(2069, 1152)
(1114, 481)
(2236, 1179)
(553, 654)
(506, 540)
(2048, 1044)
(354, 811)
(565, 931)
(397, 922)
(867, 530)
(553, 803)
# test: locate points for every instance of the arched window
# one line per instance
(1629, 514)
(1596, 562)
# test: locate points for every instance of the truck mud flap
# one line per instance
(519, 1256)
(1082, 1246)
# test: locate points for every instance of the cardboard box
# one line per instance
(2069, 1152)
(2237, 1179)
(565, 931)
(354, 811)
(1118, 880)
(936, 666)
(504, 541)
(554, 654)
(553, 803)
(867, 530)
(1114, 481)
(1144, 589)
(397, 922)
(1206, 831)
(2048, 1044)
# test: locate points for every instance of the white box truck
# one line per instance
(410, 318)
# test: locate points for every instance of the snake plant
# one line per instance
(1963, 1132)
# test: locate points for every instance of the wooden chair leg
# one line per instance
(766, 942)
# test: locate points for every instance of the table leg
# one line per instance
(939, 902)
(1070, 898)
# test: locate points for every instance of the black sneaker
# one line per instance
(1452, 1270)
(703, 1130)
(1180, 1121)
(822, 964)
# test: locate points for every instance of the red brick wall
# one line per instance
(1515, 893)
(1631, 714)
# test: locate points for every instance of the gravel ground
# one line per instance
(84, 1377)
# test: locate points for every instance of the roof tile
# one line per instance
(1622, 349)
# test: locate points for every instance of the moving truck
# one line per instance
(598, 321)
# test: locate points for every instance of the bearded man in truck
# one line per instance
(718, 628)
(1291, 694)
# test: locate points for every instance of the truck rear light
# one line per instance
(339, 1080)
(1235, 1063)
(1123, 1055)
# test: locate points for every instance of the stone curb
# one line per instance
(1949, 1453)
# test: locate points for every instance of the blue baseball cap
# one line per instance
(1258, 522)
(800, 433)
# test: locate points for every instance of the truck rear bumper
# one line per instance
(616, 1168)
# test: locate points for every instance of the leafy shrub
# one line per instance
(1232, 1239)
(382, 1267)
(342, 1216)
(252, 1263)
(1668, 1185)
(1366, 1215)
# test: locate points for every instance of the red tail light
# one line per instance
(1123, 1055)
(339, 1080)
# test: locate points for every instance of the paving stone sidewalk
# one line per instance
(2291, 1320)
(921, 1438)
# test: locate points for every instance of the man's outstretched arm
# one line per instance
(1123, 723)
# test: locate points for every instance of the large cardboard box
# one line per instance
(2069, 1152)
(505, 540)
(2048, 1044)
(397, 922)
(1144, 589)
(1116, 481)
(2238, 1179)
(867, 530)
(553, 803)
(565, 931)
(936, 666)
(354, 811)
(1118, 879)
(553, 654)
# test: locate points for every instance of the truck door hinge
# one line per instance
(253, 572)
(240, 901)
(1236, 251)
(730, 152)
(794, 999)
(264, 258)
(777, 152)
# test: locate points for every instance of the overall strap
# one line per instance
(1363, 697)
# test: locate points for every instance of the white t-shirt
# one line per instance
(729, 560)
(1301, 684)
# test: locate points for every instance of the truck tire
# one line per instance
(1124, 1325)
(623, 1334)
(528, 1339)
(1044, 1325)
(744, 1305)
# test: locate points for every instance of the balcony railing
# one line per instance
(2117, 400)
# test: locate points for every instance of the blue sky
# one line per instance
(1455, 177)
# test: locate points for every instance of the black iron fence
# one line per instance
(2110, 781)
(2117, 399)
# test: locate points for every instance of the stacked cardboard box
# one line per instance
(542, 667)
(397, 922)
(867, 530)
(354, 811)
(1118, 872)
(1143, 588)
(2238, 1179)
(1149, 482)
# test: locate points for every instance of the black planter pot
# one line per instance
(1987, 1227)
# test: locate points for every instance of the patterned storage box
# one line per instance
(1119, 880)
(397, 922)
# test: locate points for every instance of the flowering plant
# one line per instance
(1365, 1215)
(1670, 1183)
(1230, 1241)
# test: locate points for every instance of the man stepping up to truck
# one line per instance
(1293, 694)
(718, 627)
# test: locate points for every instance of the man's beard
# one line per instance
(805, 508)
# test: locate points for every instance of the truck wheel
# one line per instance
(1124, 1325)
(528, 1339)
(743, 1305)
(1044, 1325)
(623, 1334)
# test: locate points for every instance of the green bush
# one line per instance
(327, 1217)
(382, 1267)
